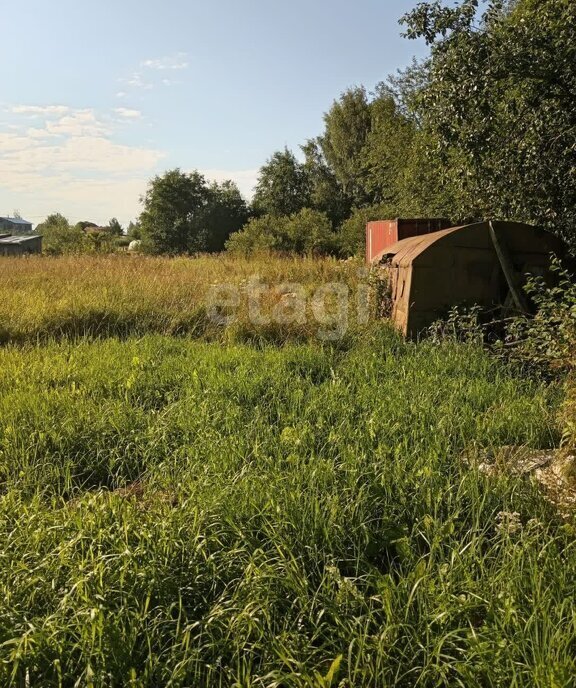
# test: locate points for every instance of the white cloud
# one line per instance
(78, 123)
(73, 164)
(135, 80)
(13, 142)
(178, 61)
(38, 133)
(128, 113)
(144, 77)
(78, 154)
(39, 110)
(245, 179)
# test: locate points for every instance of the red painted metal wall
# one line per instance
(383, 233)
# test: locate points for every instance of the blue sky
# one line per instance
(98, 97)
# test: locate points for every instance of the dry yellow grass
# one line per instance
(44, 297)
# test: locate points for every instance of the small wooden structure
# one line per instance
(20, 245)
(485, 263)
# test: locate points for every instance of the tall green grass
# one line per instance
(46, 298)
(176, 513)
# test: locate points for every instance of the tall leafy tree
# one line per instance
(347, 126)
(225, 212)
(184, 214)
(385, 156)
(282, 187)
(326, 194)
(173, 207)
(500, 103)
(115, 227)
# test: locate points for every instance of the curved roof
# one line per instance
(406, 250)
(521, 237)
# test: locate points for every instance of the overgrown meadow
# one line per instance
(188, 504)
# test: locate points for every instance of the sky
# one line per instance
(98, 97)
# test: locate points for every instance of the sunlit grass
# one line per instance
(122, 295)
(189, 514)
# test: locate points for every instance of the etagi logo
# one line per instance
(329, 305)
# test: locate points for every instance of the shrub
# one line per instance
(307, 232)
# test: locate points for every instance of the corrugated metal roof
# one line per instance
(18, 239)
(406, 250)
(16, 220)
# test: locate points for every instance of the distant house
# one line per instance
(15, 225)
(20, 245)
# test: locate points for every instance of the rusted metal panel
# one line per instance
(380, 234)
(460, 265)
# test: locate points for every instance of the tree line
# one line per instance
(484, 127)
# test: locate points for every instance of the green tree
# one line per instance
(385, 156)
(134, 230)
(59, 237)
(173, 206)
(282, 187)
(325, 193)
(347, 126)
(184, 214)
(115, 227)
(225, 212)
(499, 105)
(308, 232)
(260, 234)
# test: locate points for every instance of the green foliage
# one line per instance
(60, 238)
(115, 227)
(183, 214)
(347, 126)
(122, 241)
(325, 191)
(547, 340)
(386, 153)
(282, 187)
(499, 105)
(182, 514)
(308, 232)
(172, 204)
(225, 213)
(260, 234)
(134, 230)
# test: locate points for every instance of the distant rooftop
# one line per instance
(16, 220)
(17, 239)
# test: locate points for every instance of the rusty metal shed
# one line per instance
(484, 263)
(380, 234)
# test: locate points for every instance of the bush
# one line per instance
(61, 238)
(308, 232)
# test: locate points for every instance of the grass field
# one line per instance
(121, 295)
(184, 512)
